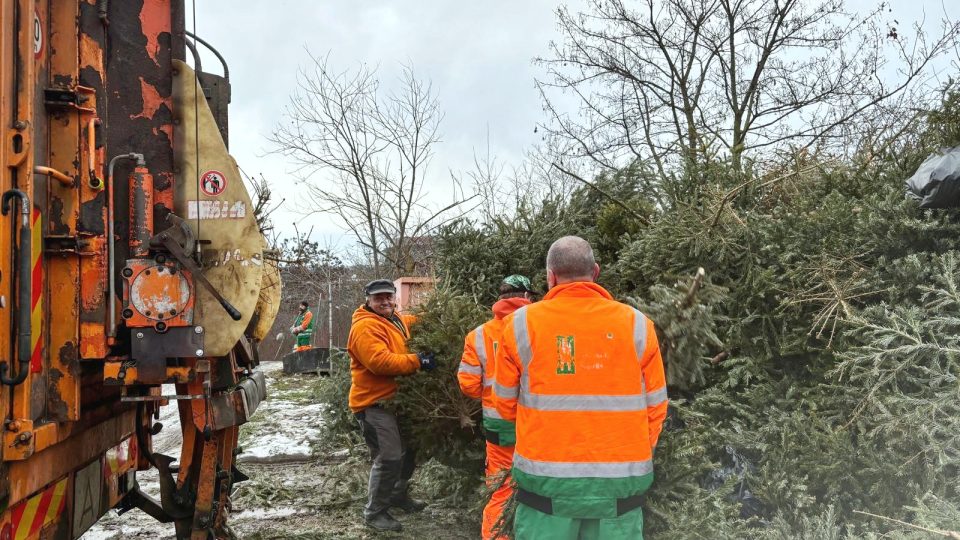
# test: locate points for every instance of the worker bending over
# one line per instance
(582, 376)
(303, 327)
(378, 352)
(476, 376)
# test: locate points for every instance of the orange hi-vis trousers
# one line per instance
(499, 458)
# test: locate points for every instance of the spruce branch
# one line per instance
(946, 534)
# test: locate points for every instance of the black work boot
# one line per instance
(400, 498)
(408, 504)
(383, 521)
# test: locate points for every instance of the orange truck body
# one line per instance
(103, 294)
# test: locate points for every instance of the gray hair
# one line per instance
(571, 257)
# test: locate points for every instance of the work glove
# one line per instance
(427, 361)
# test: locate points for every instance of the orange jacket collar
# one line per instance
(364, 312)
(578, 289)
(502, 308)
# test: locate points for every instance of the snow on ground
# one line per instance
(281, 429)
(266, 513)
(294, 491)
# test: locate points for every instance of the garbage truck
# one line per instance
(132, 269)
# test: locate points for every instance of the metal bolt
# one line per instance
(197, 329)
(3, 301)
(25, 436)
(139, 335)
(199, 352)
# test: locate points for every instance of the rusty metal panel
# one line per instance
(21, 161)
(63, 281)
(28, 476)
(140, 81)
(92, 219)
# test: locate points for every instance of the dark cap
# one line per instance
(378, 286)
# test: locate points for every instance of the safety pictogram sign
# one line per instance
(213, 183)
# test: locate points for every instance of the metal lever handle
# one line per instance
(24, 292)
(174, 248)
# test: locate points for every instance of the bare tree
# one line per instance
(264, 205)
(364, 156)
(671, 80)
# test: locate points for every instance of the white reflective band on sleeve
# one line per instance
(562, 469)
(506, 392)
(490, 412)
(481, 347)
(548, 402)
(639, 334)
(657, 397)
(472, 370)
(522, 337)
(488, 382)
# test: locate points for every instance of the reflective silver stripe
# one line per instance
(488, 382)
(472, 370)
(554, 402)
(481, 347)
(657, 397)
(639, 334)
(639, 346)
(490, 412)
(522, 337)
(506, 392)
(524, 349)
(562, 469)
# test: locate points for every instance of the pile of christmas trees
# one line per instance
(814, 366)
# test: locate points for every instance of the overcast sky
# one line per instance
(477, 55)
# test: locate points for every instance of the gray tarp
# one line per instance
(936, 184)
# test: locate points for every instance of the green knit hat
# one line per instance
(518, 282)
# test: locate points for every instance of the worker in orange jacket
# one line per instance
(581, 375)
(476, 377)
(378, 352)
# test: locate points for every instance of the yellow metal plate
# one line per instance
(218, 209)
(269, 303)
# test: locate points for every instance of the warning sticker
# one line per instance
(37, 35)
(216, 210)
(213, 183)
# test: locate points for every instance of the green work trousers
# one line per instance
(532, 524)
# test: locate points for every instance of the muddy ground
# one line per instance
(300, 486)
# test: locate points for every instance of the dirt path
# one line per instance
(298, 487)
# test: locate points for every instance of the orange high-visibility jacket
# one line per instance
(582, 376)
(378, 353)
(478, 366)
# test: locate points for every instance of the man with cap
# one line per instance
(476, 375)
(378, 352)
